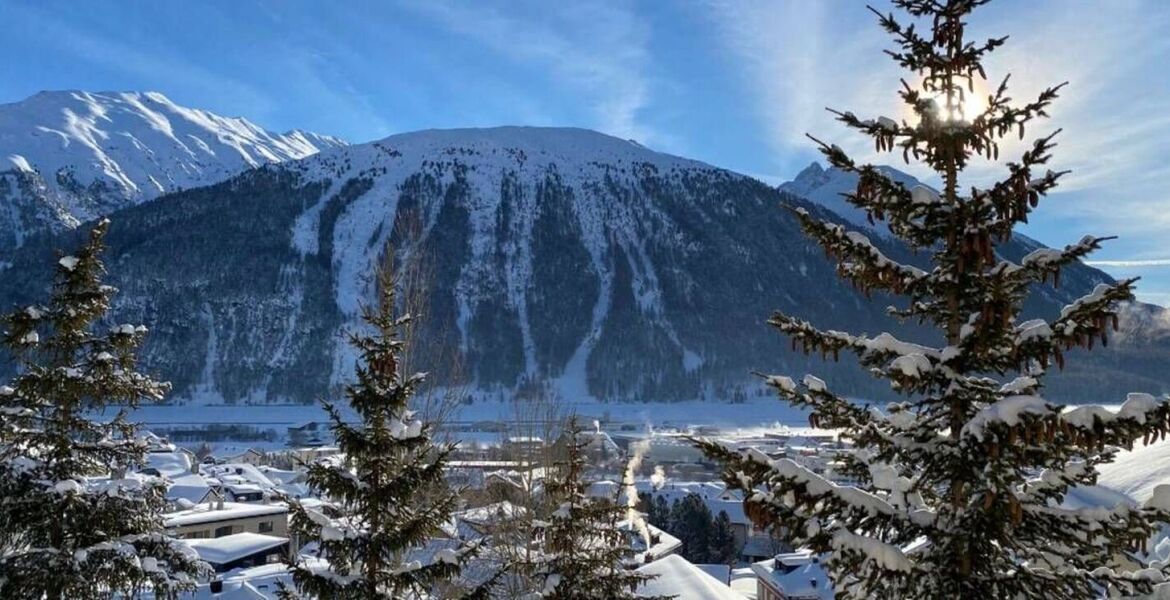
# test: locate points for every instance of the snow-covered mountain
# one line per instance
(561, 256)
(69, 156)
(825, 186)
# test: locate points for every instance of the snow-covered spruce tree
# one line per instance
(389, 489)
(71, 525)
(971, 470)
(584, 550)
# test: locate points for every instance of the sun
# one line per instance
(971, 104)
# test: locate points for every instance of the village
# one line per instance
(232, 509)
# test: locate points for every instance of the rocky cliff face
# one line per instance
(558, 256)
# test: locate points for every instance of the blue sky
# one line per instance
(734, 83)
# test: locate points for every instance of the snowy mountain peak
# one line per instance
(826, 186)
(810, 175)
(100, 151)
(563, 145)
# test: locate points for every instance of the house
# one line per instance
(497, 520)
(659, 545)
(242, 492)
(239, 482)
(792, 576)
(471, 473)
(675, 576)
(192, 490)
(220, 519)
(240, 550)
(597, 446)
(522, 447)
(251, 456)
(249, 583)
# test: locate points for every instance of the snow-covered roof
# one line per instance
(172, 464)
(743, 580)
(279, 476)
(662, 543)
(800, 575)
(677, 577)
(193, 488)
(206, 513)
(603, 489)
(243, 488)
(719, 572)
(524, 439)
(243, 471)
(495, 512)
(222, 550)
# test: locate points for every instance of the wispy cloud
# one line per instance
(599, 51)
(798, 58)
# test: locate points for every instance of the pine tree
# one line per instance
(73, 525)
(659, 513)
(390, 490)
(585, 551)
(722, 540)
(973, 465)
(692, 524)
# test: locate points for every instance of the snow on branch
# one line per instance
(1031, 419)
(858, 259)
(1082, 323)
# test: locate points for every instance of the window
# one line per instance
(222, 531)
(265, 527)
(194, 535)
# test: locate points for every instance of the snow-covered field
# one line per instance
(750, 415)
(1135, 473)
(753, 413)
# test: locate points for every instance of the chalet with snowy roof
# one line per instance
(793, 576)
(471, 473)
(248, 583)
(597, 445)
(522, 447)
(650, 544)
(240, 482)
(240, 550)
(251, 456)
(221, 519)
(189, 490)
(301, 455)
(675, 576)
(242, 492)
(489, 520)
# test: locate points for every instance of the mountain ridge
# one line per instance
(563, 258)
(97, 152)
